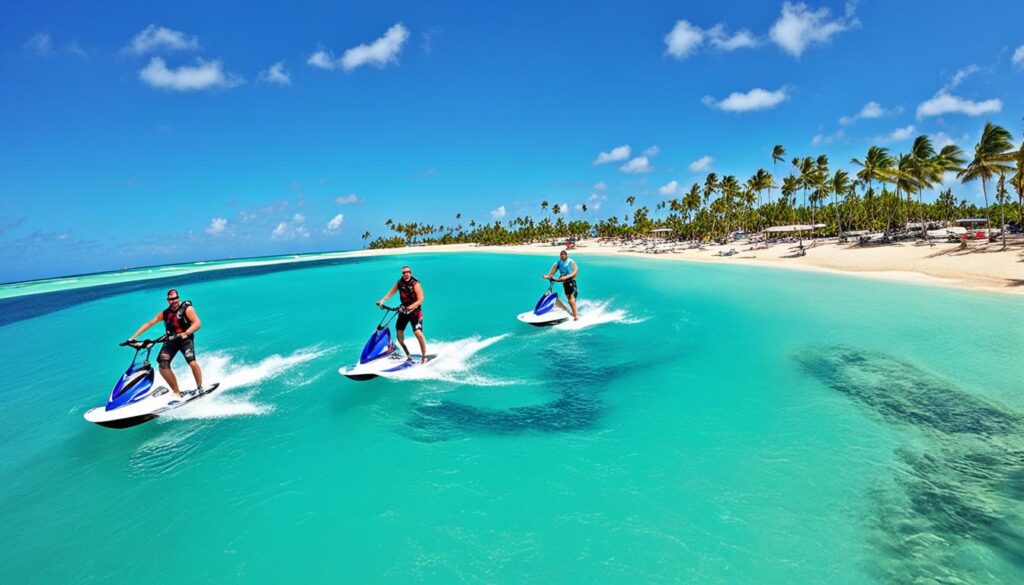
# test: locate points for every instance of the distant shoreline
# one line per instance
(981, 267)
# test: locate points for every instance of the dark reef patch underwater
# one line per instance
(961, 489)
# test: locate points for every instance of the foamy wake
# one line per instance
(597, 313)
(455, 362)
(237, 383)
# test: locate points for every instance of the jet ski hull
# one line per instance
(382, 366)
(552, 317)
(159, 402)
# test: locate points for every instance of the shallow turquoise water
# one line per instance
(711, 424)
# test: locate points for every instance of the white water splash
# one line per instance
(455, 362)
(234, 376)
(597, 313)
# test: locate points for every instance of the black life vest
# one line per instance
(176, 321)
(407, 290)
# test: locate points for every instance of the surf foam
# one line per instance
(455, 362)
(222, 367)
(597, 312)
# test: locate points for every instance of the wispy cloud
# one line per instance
(961, 75)
(595, 201)
(947, 103)
(701, 164)
(40, 43)
(291, 230)
(218, 226)
(334, 226)
(670, 188)
(498, 213)
(600, 186)
(616, 154)
(685, 38)
(652, 151)
(381, 52)
(753, 100)
(350, 199)
(640, 164)
(799, 27)
(828, 138)
(1018, 57)
(870, 111)
(276, 73)
(897, 135)
(159, 38)
(204, 75)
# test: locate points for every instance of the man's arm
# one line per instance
(196, 323)
(391, 293)
(551, 272)
(575, 271)
(142, 328)
(419, 298)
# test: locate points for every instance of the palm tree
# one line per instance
(631, 200)
(1001, 197)
(990, 158)
(778, 154)
(840, 184)
(583, 207)
(923, 169)
(876, 166)
(1018, 184)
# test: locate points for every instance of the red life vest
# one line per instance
(176, 321)
(407, 290)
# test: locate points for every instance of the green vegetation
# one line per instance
(879, 197)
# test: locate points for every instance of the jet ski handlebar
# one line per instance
(143, 343)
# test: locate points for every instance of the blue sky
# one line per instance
(138, 133)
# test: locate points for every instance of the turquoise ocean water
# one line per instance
(702, 424)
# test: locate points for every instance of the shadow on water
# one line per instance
(960, 494)
(568, 371)
(36, 305)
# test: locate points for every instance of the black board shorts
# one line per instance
(570, 288)
(171, 348)
(416, 318)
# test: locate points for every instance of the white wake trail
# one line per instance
(455, 362)
(597, 312)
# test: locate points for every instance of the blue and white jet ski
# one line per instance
(380, 356)
(135, 399)
(546, 312)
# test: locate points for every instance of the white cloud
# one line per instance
(721, 40)
(683, 40)
(639, 164)
(594, 202)
(799, 27)
(159, 38)
(652, 151)
(600, 186)
(380, 52)
(618, 153)
(1018, 57)
(701, 164)
(870, 110)
(204, 75)
(40, 43)
(897, 134)
(961, 75)
(322, 60)
(563, 208)
(946, 103)
(498, 213)
(940, 139)
(755, 99)
(828, 138)
(76, 49)
(276, 73)
(218, 226)
(290, 230)
(670, 188)
(349, 199)
(334, 226)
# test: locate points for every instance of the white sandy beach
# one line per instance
(981, 266)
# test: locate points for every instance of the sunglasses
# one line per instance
(407, 272)
(169, 299)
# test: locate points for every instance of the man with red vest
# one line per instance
(181, 321)
(411, 293)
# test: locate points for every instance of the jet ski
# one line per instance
(380, 356)
(134, 399)
(546, 312)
